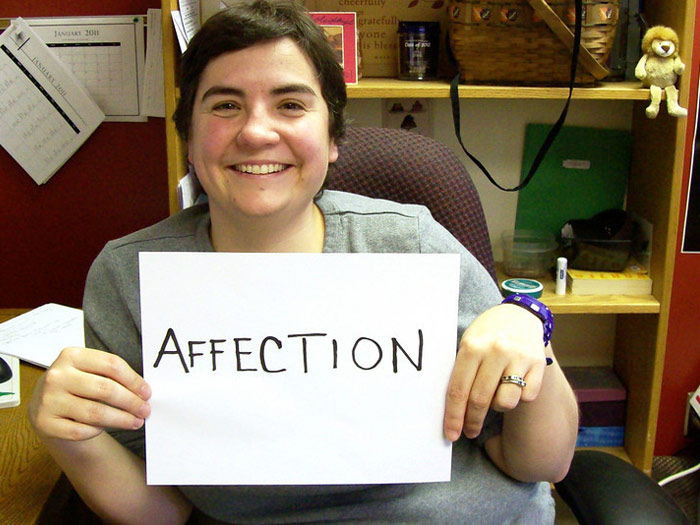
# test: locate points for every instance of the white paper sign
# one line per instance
(297, 368)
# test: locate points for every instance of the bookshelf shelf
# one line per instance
(394, 88)
(591, 304)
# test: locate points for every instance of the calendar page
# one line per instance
(45, 113)
(106, 54)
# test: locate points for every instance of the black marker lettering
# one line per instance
(262, 354)
(335, 354)
(303, 346)
(237, 340)
(379, 353)
(214, 351)
(170, 335)
(193, 354)
(367, 353)
(396, 346)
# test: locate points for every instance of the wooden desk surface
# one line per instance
(27, 471)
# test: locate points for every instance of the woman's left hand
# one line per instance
(505, 340)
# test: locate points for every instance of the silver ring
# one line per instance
(516, 380)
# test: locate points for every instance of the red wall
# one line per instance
(114, 184)
(682, 366)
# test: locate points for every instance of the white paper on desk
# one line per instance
(106, 54)
(39, 335)
(329, 409)
(45, 113)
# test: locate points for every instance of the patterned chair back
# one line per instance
(413, 169)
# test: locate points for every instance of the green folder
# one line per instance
(584, 172)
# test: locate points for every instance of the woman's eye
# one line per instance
(292, 107)
(224, 109)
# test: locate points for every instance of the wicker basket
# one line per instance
(511, 43)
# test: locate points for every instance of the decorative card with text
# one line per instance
(341, 31)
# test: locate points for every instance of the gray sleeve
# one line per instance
(477, 290)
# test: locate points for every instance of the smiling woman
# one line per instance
(261, 111)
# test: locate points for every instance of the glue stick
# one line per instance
(561, 276)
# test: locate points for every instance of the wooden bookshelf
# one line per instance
(655, 187)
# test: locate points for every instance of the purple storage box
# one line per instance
(601, 396)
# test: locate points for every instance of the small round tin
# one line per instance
(529, 287)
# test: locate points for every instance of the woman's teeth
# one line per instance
(257, 169)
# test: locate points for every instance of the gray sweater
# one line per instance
(478, 492)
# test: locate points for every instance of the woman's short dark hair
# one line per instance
(246, 23)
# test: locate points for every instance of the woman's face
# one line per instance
(259, 140)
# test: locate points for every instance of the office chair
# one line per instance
(409, 168)
(406, 167)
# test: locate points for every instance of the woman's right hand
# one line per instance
(85, 391)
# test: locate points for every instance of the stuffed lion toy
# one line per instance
(659, 68)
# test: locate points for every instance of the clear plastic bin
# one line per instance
(528, 253)
(604, 255)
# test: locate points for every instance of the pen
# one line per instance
(7, 394)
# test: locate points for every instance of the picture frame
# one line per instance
(341, 30)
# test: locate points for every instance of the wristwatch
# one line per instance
(541, 310)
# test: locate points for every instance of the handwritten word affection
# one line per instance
(273, 355)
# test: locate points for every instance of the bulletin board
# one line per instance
(116, 183)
